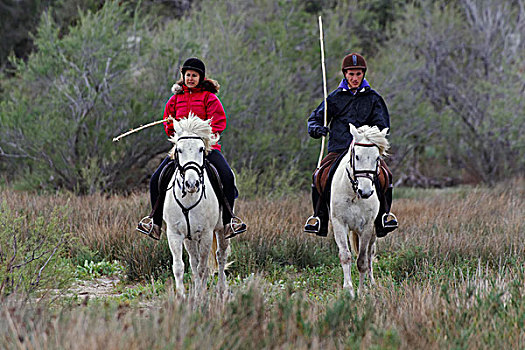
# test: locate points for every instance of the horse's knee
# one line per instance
(345, 257)
(362, 266)
(178, 270)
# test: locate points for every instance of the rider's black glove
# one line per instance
(318, 131)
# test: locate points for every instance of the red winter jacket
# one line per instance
(201, 101)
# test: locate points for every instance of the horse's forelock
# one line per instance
(374, 135)
(196, 126)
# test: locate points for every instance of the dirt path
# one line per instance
(96, 288)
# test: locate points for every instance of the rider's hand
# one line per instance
(319, 131)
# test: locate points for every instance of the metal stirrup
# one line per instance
(386, 216)
(143, 223)
(235, 221)
(317, 221)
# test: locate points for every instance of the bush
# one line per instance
(72, 96)
(30, 253)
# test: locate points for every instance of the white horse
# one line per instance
(354, 203)
(191, 210)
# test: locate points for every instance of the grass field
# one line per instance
(452, 276)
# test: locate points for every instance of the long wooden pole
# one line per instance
(115, 139)
(324, 88)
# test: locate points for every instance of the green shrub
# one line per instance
(91, 269)
(31, 252)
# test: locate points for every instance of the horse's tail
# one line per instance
(354, 242)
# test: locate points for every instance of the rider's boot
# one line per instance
(386, 221)
(149, 228)
(317, 223)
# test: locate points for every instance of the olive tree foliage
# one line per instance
(112, 72)
(19, 18)
(266, 56)
(263, 54)
(455, 76)
(72, 96)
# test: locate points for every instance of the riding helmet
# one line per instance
(353, 61)
(195, 64)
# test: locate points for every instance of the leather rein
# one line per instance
(181, 170)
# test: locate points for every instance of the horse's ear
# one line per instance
(385, 131)
(353, 130)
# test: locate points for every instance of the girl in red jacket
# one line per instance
(195, 93)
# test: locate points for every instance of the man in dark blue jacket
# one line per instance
(354, 101)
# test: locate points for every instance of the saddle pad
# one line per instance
(322, 176)
(215, 179)
(165, 176)
(385, 176)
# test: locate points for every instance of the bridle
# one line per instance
(369, 174)
(180, 169)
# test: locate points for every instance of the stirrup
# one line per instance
(237, 226)
(392, 223)
(147, 227)
(312, 227)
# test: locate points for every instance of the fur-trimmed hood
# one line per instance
(207, 85)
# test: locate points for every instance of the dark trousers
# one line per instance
(157, 193)
(225, 173)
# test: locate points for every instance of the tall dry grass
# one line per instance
(468, 222)
(452, 276)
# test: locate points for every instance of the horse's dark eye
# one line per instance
(201, 149)
(356, 157)
(179, 151)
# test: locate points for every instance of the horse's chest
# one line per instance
(353, 211)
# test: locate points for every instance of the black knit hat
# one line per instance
(195, 64)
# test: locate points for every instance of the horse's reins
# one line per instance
(360, 173)
(181, 169)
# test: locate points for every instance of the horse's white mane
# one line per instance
(376, 137)
(196, 126)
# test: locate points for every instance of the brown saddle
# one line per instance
(322, 176)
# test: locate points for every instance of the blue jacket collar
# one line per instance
(344, 85)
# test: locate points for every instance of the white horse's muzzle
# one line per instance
(192, 185)
(365, 193)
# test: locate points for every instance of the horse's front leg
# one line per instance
(341, 238)
(175, 244)
(371, 254)
(202, 268)
(364, 258)
(222, 257)
(192, 248)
